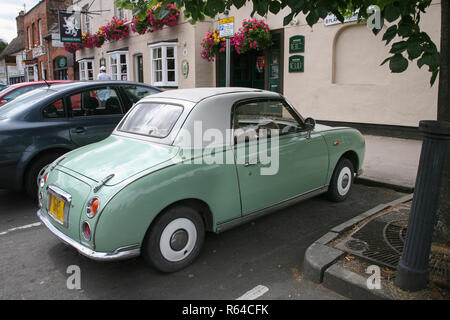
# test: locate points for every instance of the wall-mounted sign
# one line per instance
(185, 68)
(70, 26)
(226, 27)
(296, 44)
(332, 19)
(102, 62)
(296, 63)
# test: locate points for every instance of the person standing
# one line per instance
(103, 75)
(103, 94)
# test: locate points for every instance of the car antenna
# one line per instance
(48, 84)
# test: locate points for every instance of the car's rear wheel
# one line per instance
(174, 239)
(341, 181)
(32, 173)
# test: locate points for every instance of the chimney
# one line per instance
(20, 25)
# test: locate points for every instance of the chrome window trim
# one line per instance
(67, 198)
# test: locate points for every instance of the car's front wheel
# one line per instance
(341, 181)
(174, 239)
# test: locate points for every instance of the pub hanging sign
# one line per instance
(70, 26)
(296, 63)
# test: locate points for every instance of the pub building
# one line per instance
(330, 72)
(46, 58)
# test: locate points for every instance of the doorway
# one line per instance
(255, 69)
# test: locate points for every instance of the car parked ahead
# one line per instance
(15, 90)
(183, 162)
(39, 126)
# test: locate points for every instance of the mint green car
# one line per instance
(183, 162)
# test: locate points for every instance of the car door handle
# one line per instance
(80, 130)
(248, 164)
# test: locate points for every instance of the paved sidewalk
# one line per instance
(391, 160)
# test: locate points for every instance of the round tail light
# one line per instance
(92, 207)
(86, 231)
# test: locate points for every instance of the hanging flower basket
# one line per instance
(150, 23)
(253, 35)
(212, 45)
(72, 47)
(115, 30)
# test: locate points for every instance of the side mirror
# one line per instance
(310, 123)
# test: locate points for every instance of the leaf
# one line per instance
(239, 3)
(385, 60)
(398, 63)
(414, 49)
(288, 19)
(433, 77)
(390, 34)
(398, 47)
(274, 7)
(391, 12)
(311, 18)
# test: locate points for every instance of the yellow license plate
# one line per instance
(56, 208)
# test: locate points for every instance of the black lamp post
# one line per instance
(412, 272)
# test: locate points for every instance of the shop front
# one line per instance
(259, 69)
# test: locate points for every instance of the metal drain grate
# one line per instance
(381, 241)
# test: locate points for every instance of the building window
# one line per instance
(29, 38)
(86, 70)
(87, 19)
(118, 65)
(40, 31)
(119, 12)
(164, 64)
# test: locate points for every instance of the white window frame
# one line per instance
(84, 71)
(164, 46)
(87, 19)
(30, 45)
(40, 31)
(119, 74)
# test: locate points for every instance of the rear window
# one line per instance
(151, 119)
(23, 102)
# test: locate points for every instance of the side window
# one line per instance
(270, 115)
(136, 93)
(54, 110)
(95, 102)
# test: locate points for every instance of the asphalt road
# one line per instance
(267, 252)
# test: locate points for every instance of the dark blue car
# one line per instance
(41, 125)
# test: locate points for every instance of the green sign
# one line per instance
(102, 62)
(296, 63)
(296, 44)
(62, 62)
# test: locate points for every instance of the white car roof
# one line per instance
(198, 94)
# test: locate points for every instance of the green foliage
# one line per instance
(3, 45)
(404, 15)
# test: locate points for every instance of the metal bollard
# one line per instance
(412, 272)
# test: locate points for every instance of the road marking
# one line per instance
(255, 293)
(28, 226)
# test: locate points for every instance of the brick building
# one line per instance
(45, 54)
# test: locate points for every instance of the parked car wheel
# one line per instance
(341, 181)
(174, 239)
(31, 176)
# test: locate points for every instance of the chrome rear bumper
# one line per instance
(119, 254)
